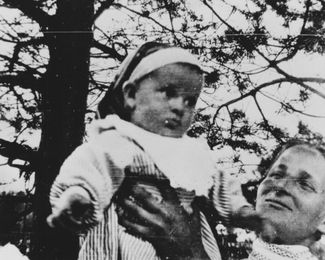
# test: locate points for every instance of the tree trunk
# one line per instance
(64, 102)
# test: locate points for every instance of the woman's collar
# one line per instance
(280, 252)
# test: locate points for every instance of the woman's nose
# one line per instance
(282, 186)
(177, 105)
(283, 182)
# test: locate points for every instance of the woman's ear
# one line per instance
(129, 91)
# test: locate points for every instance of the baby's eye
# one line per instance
(190, 101)
(169, 91)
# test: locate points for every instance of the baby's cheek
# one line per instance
(187, 119)
(150, 115)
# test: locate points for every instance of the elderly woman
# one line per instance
(290, 201)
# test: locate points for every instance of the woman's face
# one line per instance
(164, 100)
(291, 198)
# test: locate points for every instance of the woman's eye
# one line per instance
(276, 175)
(305, 185)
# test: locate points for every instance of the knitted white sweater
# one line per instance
(100, 166)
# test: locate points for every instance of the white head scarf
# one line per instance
(147, 58)
(162, 58)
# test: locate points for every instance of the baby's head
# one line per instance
(157, 89)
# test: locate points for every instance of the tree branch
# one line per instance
(24, 80)
(28, 68)
(290, 107)
(20, 45)
(218, 16)
(266, 122)
(104, 6)
(273, 64)
(231, 121)
(108, 50)
(147, 16)
(248, 94)
(143, 15)
(15, 151)
(299, 81)
(30, 8)
(171, 21)
(296, 48)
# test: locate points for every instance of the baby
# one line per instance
(153, 99)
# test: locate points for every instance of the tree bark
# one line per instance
(64, 97)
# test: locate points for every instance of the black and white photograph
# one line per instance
(162, 130)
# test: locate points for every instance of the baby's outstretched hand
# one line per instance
(242, 213)
(247, 217)
(232, 205)
(71, 210)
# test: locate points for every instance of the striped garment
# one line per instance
(101, 171)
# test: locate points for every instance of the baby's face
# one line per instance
(165, 100)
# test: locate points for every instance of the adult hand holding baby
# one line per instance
(173, 232)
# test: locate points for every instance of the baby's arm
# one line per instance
(71, 210)
(231, 204)
(87, 181)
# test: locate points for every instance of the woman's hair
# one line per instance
(297, 142)
(113, 101)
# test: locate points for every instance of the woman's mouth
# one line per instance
(277, 204)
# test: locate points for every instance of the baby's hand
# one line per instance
(71, 210)
(243, 214)
(232, 205)
(247, 217)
